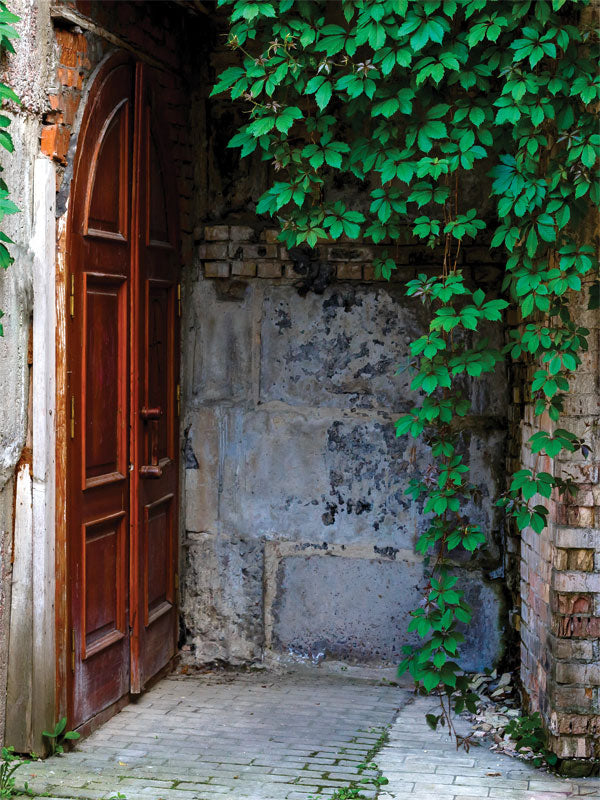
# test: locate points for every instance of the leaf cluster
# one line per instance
(409, 98)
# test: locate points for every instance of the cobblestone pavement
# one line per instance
(421, 764)
(288, 736)
(258, 736)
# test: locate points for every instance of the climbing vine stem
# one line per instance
(7, 33)
(411, 99)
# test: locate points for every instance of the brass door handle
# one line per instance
(152, 416)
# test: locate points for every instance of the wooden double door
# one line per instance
(122, 396)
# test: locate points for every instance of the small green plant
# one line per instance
(362, 767)
(9, 763)
(353, 791)
(59, 736)
(531, 739)
(345, 793)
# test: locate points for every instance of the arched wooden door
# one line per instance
(122, 353)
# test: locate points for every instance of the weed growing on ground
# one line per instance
(9, 763)
(531, 739)
(355, 788)
(58, 737)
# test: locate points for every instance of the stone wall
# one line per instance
(299, 539)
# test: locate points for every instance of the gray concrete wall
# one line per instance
(299, 538)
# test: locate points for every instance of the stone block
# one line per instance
(220, 331)
(582, 560)
(575, 699)
(575, 724)
(571, 747)
(253, 251)
(222, 598)
(577, 537)
(241, 233)
(352, 252)
(246, 269)
(269, 269)
(349, 272)
(213, 251)
(370, 274)
(578, 674)
(357, 609)
(572, 649)
(271, 235)
(560, 559)
(216, 233)
(338, 349)
(203, 429)
(216, 269)
(576, 627)
(576, 581)
(575, 603)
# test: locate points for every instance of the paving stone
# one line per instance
(458, 776)
(255, 737)
(285, 736)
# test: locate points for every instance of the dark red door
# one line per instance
(155, 397)
(122, 367)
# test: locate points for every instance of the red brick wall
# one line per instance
(560, 571)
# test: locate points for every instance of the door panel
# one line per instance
(158, 555)
(98, 478)
(104, 422)
(158, 391)
(108, 209)
(154, 611)
(104, 596)
(123, 353)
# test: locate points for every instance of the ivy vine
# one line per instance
(408, 98)
(7, 33)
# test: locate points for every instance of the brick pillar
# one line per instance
(560, 577)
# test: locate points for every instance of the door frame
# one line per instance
(62, 627)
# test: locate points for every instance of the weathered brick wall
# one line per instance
(560, 569)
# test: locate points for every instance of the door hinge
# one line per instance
(72, 416)
(178, 299)
(73, 650)
(72, 297)
(178, 393)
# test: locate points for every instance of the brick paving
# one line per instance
(421, 764)
(285, 736)
(257, 736)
